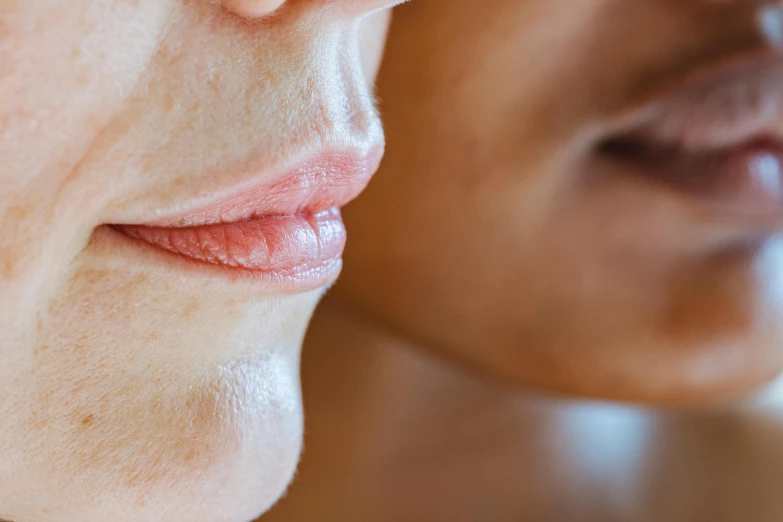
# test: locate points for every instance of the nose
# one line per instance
(261, 8)
(252, 8)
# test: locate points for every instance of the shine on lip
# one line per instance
(715, 135)
(288, 230)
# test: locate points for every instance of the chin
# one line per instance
(658, 374)
(239, 486)
(206, 452)
(689, 355)
(250, 428)
(194, 416)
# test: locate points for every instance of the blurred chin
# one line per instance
(650, 372)
(706, 331)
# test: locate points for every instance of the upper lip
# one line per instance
(323, 181)
(731, 102)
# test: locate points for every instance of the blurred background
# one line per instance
(581, 196)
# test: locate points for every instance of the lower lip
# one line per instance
(745, 181)
(301, 252)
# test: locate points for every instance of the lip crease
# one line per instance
(715, 134)
(288, 230)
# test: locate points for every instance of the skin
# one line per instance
(479, 267)
(491, 236)
(129, 389)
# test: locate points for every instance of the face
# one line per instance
(582, 196)
(171, 172)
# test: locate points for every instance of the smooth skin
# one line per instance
(130, 390)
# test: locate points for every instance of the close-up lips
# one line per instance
(285, 232)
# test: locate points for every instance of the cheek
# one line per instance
(67, 68)
(68, 65)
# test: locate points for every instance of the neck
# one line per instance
(396, 433)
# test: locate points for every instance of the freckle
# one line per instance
(88, 420)
(7, 267)
(190, 456)
(16, 214)
(191, 309)
(168, 103)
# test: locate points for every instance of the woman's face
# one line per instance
(150, 368)
(583, 196)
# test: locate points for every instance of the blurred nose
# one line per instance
(261, 8)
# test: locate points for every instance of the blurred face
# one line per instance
(583, 196)
(171, 172)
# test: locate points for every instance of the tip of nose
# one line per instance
(252, 8)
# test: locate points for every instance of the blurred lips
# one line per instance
(715, 135)
(288, 231)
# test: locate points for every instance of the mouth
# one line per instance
(715, 136)
(287, 232)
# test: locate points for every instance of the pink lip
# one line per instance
(715, 135)
(289, 230)
(717, 106)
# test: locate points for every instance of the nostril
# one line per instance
(252, 8)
